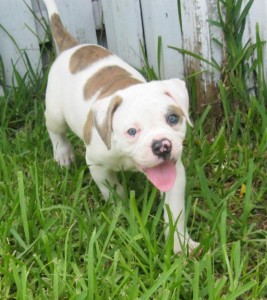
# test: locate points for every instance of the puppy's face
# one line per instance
(149, 127)
(145, 124)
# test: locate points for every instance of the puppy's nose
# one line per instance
(162, 148)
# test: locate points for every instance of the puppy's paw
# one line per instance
(188, 246)
(192, 245)
(64, 155)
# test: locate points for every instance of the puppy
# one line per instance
(125, 122)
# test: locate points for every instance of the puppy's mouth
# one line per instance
(163, 175)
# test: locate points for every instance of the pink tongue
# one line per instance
(162, 176)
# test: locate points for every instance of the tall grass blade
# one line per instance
(196, 281)
(163, 277)
(159, 55)
(179, 5)
(23, 206)
(248, 197)
(194, 55)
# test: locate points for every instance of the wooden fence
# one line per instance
(129, 24)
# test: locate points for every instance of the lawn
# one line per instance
(60, 240)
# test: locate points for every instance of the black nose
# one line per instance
(162, 148)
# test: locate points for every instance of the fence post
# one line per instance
(124, 31)
(197, 38)
(160, 18)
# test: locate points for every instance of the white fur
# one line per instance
(143, 107)
(51, 7)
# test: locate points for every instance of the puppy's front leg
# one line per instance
(175, 200)
(102, 176)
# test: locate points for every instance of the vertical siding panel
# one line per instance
(197, 38)
(123, 25)
(40, 13)
(15, 17)
(257, 14)
(78, 18)
(98, 13)
(160, 18)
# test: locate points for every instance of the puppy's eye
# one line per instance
(132, 131)
(172, 119)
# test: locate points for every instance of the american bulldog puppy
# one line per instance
(125, 122)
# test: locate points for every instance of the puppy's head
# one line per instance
(146, 123)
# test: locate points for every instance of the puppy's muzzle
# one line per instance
(162, 148)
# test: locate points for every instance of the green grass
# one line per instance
(60, 240)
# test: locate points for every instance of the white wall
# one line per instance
(18, 20)
(129, 23)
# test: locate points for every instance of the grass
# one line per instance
(60, 240)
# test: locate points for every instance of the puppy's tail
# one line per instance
(62, 38)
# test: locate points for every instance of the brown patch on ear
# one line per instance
(107, 81)
(85, 56)
(87, 129)
(61, 36)
(178, 110)
(175, 110)
(105, 128)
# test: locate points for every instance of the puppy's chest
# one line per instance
(121, 164)
(118, 163)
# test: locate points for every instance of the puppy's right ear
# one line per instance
(101, 117)
(176, 89)
(88, 127)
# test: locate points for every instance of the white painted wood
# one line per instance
(40, 16)
(98, 14)
(77, 16)
(124, 29)
(257, 15)
(127, 22)
(16, 18)
(160, 18)
(197, 38)
(198, 33)
(215, 51)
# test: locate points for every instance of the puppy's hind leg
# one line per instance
(57, 128)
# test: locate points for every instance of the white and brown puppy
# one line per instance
(125, 122)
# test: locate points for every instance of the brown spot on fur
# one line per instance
(107, 81)
(85, 56)
(87, 129)
(61, 36)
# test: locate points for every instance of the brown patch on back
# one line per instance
(107, 81)
(85, 56)
(61, 36)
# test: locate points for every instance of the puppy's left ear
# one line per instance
(176, 89)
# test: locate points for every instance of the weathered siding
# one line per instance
(130, 24)
(16, 19)
(124, 29)
(162, 20)
(197, 38)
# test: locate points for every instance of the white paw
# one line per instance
(192, 245)
(188, 246)
(64, 155)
